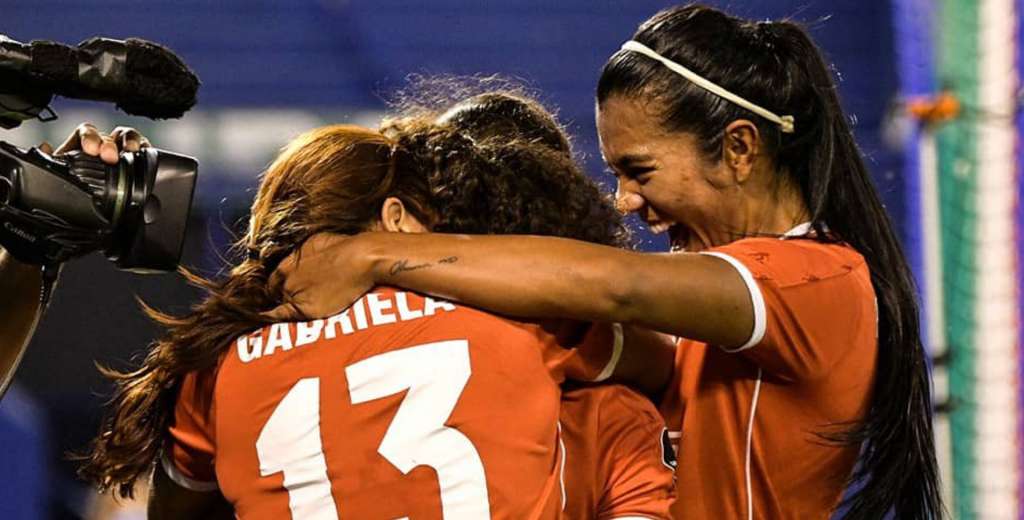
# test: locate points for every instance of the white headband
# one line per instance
(785, 122)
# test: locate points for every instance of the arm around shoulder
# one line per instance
(683, 294)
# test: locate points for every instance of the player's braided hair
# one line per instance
(335, 179)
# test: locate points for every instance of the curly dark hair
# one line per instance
(514, 171)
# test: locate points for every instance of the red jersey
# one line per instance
(400, 407)
(748, 420)
(618, 460)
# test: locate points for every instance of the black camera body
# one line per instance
(53, 209)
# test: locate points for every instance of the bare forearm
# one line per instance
(503, 274)
(683, 294)
(20, 287)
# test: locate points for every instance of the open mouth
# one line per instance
(678, 235)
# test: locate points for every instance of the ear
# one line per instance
(395, 218)
(740, 147)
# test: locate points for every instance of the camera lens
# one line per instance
(136, 211)
(150, 196)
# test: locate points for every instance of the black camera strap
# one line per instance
(50, 275)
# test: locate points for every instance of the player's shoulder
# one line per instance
(196, 390)
(785, 250)
(798, 260)
(496, 327)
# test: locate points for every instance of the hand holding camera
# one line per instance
(89, 140)
(85, 196)
(112, 193)
(20, 281)
(134, 208)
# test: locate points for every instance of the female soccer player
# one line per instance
(800, 368)
(257, 392)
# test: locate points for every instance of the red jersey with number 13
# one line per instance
(400, 407)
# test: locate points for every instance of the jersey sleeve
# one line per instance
(190, 445)
(637, 463)
(591, 357)
(810, 299)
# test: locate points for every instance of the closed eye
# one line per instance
(641, 174)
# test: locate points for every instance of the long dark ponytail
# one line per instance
(777, 66)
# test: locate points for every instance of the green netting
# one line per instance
(958, 70)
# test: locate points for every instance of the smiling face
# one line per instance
(665, 179)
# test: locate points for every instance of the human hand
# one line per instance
(90, 141)
(108, 147)
(326, 275)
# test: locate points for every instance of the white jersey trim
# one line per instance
(561, 471)
(750, 438)
(613, 363)
(180, 479)
(756, 298)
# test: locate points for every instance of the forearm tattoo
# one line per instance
(403, 265)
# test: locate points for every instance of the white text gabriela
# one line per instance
(372, 310)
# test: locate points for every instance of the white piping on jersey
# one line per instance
(750, 437)
(760, 327)
(609, 369)
(561, 471)
(180, 479)
(756, 300)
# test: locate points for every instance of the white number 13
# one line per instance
(435, 375)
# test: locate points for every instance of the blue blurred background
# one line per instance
(273, 69)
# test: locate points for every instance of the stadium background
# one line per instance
(273, 69)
